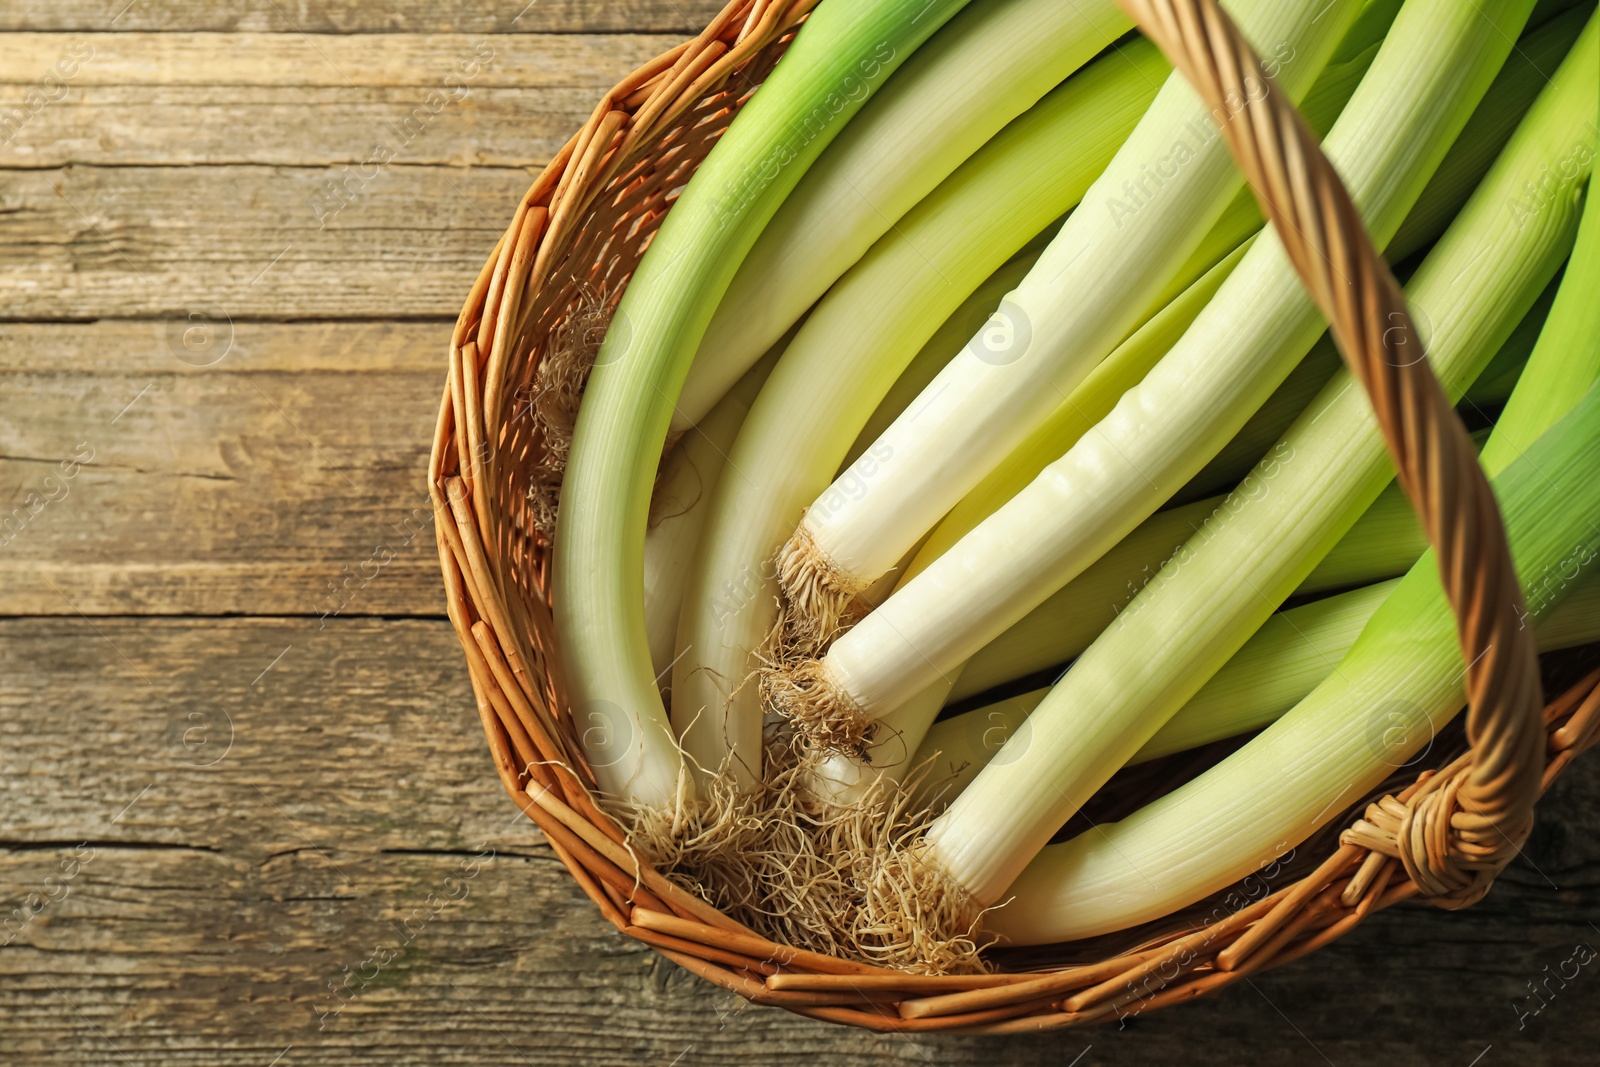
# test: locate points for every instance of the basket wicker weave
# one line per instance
(577, 236)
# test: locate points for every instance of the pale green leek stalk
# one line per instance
(844, 51)
(1146, 214)
(1275, 417)
(1494, 385)
(678, 510)
(853, 346)
(1438, 60)
(1403, 679)
(943, 346)
(1382, 544)
(1553, 27)
(991, 63)
(1525, 72)
(1475, 285)
(1566, 360)
(1297, 649)
(691, 468)
(1276, 669)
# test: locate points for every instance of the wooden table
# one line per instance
(246, 813)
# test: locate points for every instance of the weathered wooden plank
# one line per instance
(345, 839)
(445, 61)
(293, 99)
(360, 16)
(265, 820)
(290, 126)
(285, 478)
(254, 735)
(367, 241)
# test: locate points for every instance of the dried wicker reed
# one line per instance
(576, 238)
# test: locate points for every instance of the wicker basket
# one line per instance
(580, 231)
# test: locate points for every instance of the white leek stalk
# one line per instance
(853, 346)
(843, 52)
(678, 509)
(1150, 209)
(944, 344)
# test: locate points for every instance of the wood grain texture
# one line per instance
(286, 478)
(247, 816)
(289, 99)
(682, 17)
(291, 126)
(352, 835)
(251, 242)
(468, 60)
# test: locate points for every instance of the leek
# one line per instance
(1276, 668)
(844, 776)
(1400, 682)
(991, 63)
(1281, 664)
(1525, 72)
(677, 510)
(838, 58)
(1149, 211)
(852, 348)
(1436, 64)
(1474, 286)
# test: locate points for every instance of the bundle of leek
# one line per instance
(985, 440)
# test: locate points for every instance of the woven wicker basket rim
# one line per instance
(579, 230)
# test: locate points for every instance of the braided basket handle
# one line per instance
(1456, 832)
